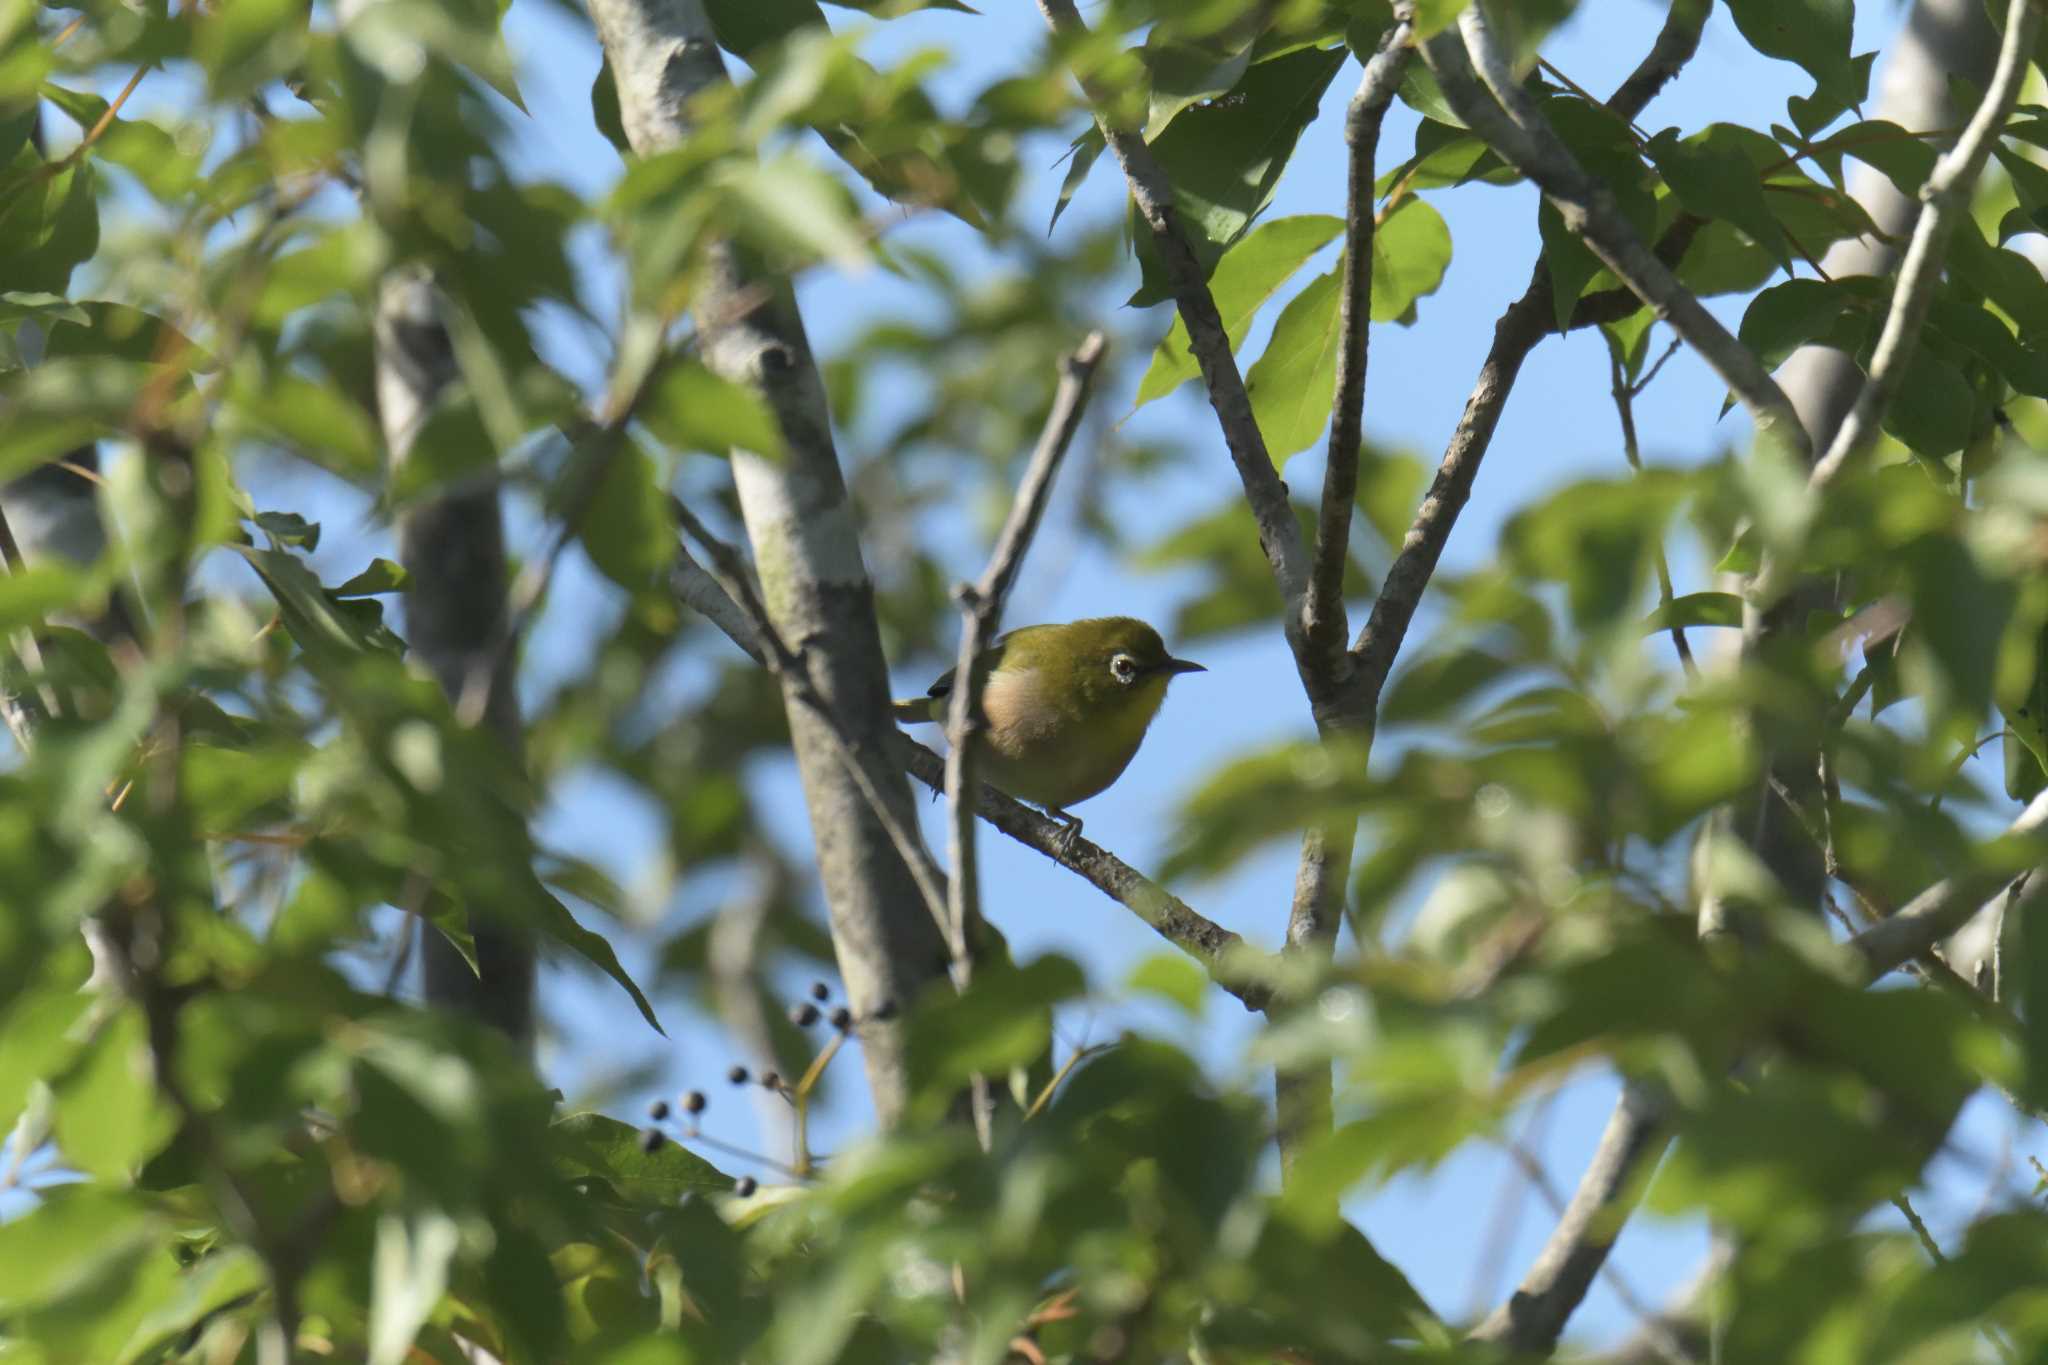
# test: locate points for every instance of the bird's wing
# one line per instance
(990, 659)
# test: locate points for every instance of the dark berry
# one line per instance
(695, 1101)
(738, 1075)
(658, 1110)
(771, 1080)
(804, 1015)
(820, 992)
(842, 1019)
(651, 1140)
(745, 1186)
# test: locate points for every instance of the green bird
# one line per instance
(1067, 707)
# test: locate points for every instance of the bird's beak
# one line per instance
(1172, 666)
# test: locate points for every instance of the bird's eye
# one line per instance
(1123, 668)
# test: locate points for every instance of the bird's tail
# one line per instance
(916, 711)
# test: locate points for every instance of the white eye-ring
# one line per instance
(1123, 668)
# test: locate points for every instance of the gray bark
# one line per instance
(453, 549)
(806, 547)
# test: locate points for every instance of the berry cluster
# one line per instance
(845, 1023)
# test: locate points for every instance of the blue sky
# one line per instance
(1560, 425)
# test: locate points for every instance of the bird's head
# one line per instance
(1113, 666)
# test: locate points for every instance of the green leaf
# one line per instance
(2029, 186)
(1390, 483)
(1781, 319)
(1713, 177)
(2025, 708)
(1173, 977)
(592, 947)
(289, 528)
(1003, 1019)
(604, 108)
(218, 1282)
(1434, 16)
(1696, 609)
(628, 529)
(96, 327)
(1607, 149)
(110, 1118)
(1884, 146)
(382, 576)
(1810, 114)
(605, 1156)
(137, 146)
(1411, 250)
(1569, 261)
(1597, 538)
(1080, 160)
(2005, 277)
(1248, 274)
(746, 28)
(791, 204)
(244, 46)
(324, 626)
(1960, 613)
(1224, 158)
(1292, 383)
(49, 224)
(690, 408)
(1813, 33)
(71, 1238)
(1932, 408)
(1420, 92)
(317, 422)
(1188, 70)
(1437, 683)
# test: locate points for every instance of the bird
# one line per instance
(1066, 708)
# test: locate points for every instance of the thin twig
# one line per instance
(1944, 907)
(1534, 1316)
(1231, 964)
(1324, 627)
(981, 610)
(1934, 1254)
(1279, 533)
(1631, 449)
(1943, 200)
(1659, 1337)
(790, 670)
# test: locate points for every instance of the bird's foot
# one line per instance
(1070, 830)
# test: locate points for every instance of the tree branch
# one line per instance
(1302, 1097)
(816, 591)
(1943, 200)
(1944, 907)
(1279, 532)
(457, 623)
(1517, 130)
(1534, 1316)
(981, 607)
(1527, 321)
(1324, 628)
(791, 670)
(1208, 942)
